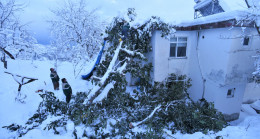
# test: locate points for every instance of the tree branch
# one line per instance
(96, 89)
(140, 122)
(8, 53)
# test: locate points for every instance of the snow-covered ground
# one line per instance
(11, 111)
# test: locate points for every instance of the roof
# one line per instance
(234, 11)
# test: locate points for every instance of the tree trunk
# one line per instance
(20, 87)
(4, 61)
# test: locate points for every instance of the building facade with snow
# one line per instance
(215, 50)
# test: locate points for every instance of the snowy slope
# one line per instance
(12, 111)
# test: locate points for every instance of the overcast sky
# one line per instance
(37, 11)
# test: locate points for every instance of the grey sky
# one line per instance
(37, 11)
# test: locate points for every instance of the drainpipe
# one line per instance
(203, 79)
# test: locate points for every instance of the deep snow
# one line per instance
(11, 111)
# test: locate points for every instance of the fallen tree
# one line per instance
(114, 109)
(21, 80)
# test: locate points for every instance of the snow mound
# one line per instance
(256, 106)
(248, 109)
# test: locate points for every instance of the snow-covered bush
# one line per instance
(165, 106)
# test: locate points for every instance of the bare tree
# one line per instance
(15, 39)
(76, 32)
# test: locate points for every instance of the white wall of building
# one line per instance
(161, 55)
(216, 55)
(240, 64)
(252, 93)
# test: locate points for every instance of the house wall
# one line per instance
(252, 93)
(160, 59)
(213, 57)
(240, 64)
(164, 65)
(226, 64)
(216, 62)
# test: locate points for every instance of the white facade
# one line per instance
(216, 61)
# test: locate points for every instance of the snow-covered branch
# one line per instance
(140, 122)
(15, 39)
(132, 53)
(105, 76)
(122, 68)
(104, 93)
(76, 32)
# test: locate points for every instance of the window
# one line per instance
(231, 93)
(246, 41)
(178, 46)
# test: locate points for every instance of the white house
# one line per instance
(215, 50)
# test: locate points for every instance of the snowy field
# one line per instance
(11, 111)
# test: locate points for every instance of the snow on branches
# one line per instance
(76, 32)
(126, 56)
(14, 37)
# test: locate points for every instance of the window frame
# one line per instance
(177, 46)
(246, 38)
(232, 93)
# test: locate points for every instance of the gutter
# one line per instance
(203, 79)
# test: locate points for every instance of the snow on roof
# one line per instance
(225, 16)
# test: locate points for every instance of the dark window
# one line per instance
(231, 93)
(172, 50)
(246, 41)
(181, 52)
(178, 46)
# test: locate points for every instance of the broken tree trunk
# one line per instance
(8, 53)
(24, 80)
(3, 59)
